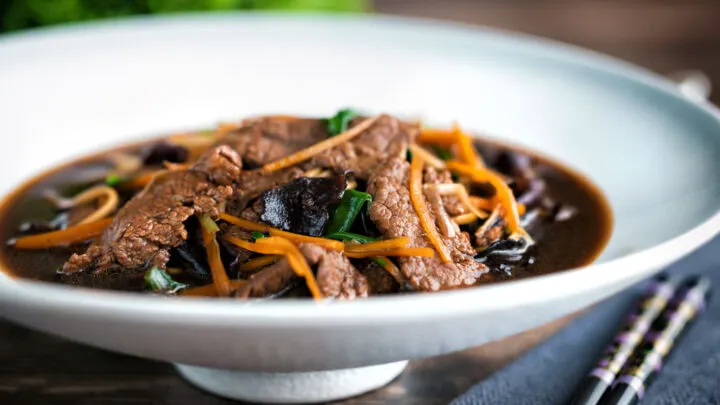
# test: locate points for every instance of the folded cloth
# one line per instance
(549, 373)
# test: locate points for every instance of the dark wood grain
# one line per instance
(664, 36)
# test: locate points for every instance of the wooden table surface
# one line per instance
(665, 36)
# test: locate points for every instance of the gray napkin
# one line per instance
(548, 374)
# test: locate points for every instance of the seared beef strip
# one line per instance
(378, 279)
(264, 140)
(336, 276)
(395, 216)
(149, 225)
(387, 138)
(268, 281)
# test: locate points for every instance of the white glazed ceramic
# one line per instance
(65, 92)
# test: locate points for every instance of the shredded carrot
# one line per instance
(258, 263)
(442, 137)
(455, 136)
(428, 157)
(320, 147)
(394, 243)
(416, 251)
(465, 219)
(210, 290)
(217, 269)
(466, 150)
(392, 269)
(297, 238)
(275, 245)
(418, 202)
(69, 236)
(486, 204)
(503, 194)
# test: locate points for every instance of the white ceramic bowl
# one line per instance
(65, 92)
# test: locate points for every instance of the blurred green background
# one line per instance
(19, 14)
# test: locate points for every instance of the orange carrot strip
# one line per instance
(503, 194)
(217, 269)
(466, 150)
(297, 238)
(210, 290)
(465, 219)
(74, 234)
(275, 245)
(486, 204)
(428, 157)
(258, 262)
(394, 243)
(418, 202)
(321, 146)
(409, 252)
(442, 137)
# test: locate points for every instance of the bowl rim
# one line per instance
(382, 309)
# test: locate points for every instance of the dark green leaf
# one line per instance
(408, 155)
(113, 180)
(442, 153)
(379, 261)
(348, 209)
(159, 281)
(257, 235)
(340, 121)
(351, 236)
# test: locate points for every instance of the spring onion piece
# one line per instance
(159, 281)
(340, 121)
(391, 268)
(113, 180)
(345, 213)
(257, 235)
(348, 236)
(441, 152)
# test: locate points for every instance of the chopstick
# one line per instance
(630, 363)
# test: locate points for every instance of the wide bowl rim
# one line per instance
(375, 309)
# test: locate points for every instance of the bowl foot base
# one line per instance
(291, 388)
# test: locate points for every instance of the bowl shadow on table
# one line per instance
(39, 368)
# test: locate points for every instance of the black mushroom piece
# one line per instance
(164, 151)
(301, 206)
